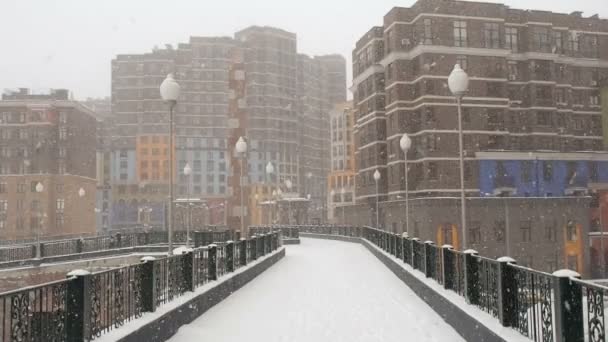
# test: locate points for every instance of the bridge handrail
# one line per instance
(52, 248)
(87, 305)
(539, 305)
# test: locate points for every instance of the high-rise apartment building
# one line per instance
(246, 86)
(342, 175)
(47, 155)
(531, 119)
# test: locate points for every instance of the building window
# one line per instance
(593, 171)
(511, 39)
(491, 35)
(3, 188)
(543, 118)
(475, 232)
(60, 205)
(526, 230)
(427, 35)
(573, 41)
(431, 171)
(21, 188)
(460, 33)
(3, 206)
(547, 171)
(541, 39)
(558, 42)
(499, 230)
(63, 133)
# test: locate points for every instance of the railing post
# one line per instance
(254, 247)
(447, 259)
(188, 269)
(39, 250)
(212, 261)
(78, 306)
(79, 245)
(230, 256)
(118, 240)
(568, 307)
(507, 292)
(243, 254)
(429, 261)
(415, 254)
(147, 238)
(471, 276)
(148, 292)
(398, 247)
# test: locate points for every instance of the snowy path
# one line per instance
(322, 291)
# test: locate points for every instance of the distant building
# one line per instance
(532, 125)
(251, 86)
(46, 139)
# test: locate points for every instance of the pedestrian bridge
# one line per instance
(338, 284)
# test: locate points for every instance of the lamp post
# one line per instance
(274, 197)
(279, 196)
(343, 193)
(458, 82)
(307, 211)
(241, 150)
(405, 143)
(332, 193)
(187, 172)
(169, 91)
(377, 179)
(269, 172)
(288, 185)
(39, 189)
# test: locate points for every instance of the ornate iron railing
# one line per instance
(541, 306)
(36, 313)
(86, 306)
(116, 298)
(100, 243)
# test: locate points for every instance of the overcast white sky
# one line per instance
(70, 43)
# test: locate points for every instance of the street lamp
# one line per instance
(458, 82)
(274, 197)
(187, 172)
(39, 189)
(269, 172)
(288, 185)
(279, 196)
(169, 91)
(343, 192)
(332, 193)
(81, 192)
(241, 150)
(376, 179)
(405, 143)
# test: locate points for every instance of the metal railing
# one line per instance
(541, 306)
(85, 306)
(107, 242)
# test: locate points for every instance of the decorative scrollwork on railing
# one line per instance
(136, 286)
(119, 315)
(20, 317)
(595, 312)
(58, 308)
(96, 294)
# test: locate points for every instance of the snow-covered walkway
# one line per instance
(322, 291)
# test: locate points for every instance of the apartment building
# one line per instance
(532, 121)
(47, 155)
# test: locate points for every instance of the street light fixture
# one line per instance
(405, 143)
(377, 179)
(458, 82)
(187, 173)
(332, 193)
(241, 150)
(81, 192)
(288, 184)
(343, 192)
(169, 91)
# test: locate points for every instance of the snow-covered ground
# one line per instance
(322, 291)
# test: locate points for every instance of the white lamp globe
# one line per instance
(241, 145)
(377, 175)
(405, 143)
(269, 168)
(458, 81)
(169, 89)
